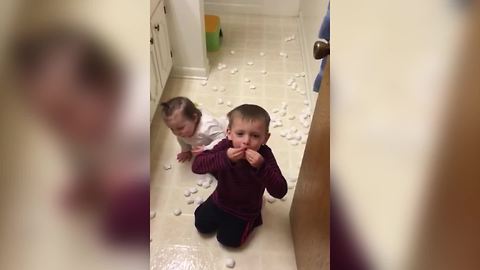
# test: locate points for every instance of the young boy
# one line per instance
(244, 166)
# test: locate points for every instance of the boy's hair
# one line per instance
(249, 112)
(188, 109)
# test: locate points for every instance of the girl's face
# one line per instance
(180, 125)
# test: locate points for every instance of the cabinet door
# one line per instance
(161, 42)
(155, 83)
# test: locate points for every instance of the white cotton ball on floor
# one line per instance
(289, 136)
(291, 117)
(294, 85)
(275, 110)
(284, 105)
(304, 140)
(198, 200)
(306, 102)
(215, 89)
(229, 103)
(206, 184)
(306, 132)
(302, 92)
(186, 193)
(219, 101)
(264, 72)
(283, 133)
(297, 75)
(219, 67)
(252, 86)
(209, 179)
(190, 200)
(167, 166)
(229, 262)
(294, 143)
(152, 214)
(290, 185)
(193, 190)
(293, 129)
(203, 83)
(269, 198)
(222, 89)
(232, 52)
(306, 124)
(283, 112)
(199, 182)
(177, 212)
(302, 74)
(284, 198)
(247, 80)
(250, 63)
(262, 54)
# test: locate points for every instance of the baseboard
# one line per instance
(190, 73)
(233, 8)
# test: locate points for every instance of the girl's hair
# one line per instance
(249, 112)
(185, 105)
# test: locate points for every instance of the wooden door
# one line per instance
(310, 212)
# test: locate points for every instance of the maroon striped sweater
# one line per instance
(240, 186)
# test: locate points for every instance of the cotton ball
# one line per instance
(252, 86)
(222, 89)
(167, 166)
(219, 101)
(199, 182)
(247, 80)
(232, 52)
(306, 102)
(229, 103)
(250, 63)
(264, 72)
(293, 129)
(203, 83)
(294, 85)
(289, 136)
(269, 198)
(275, 110)
(306, 125)
(304, 140)
(290, 185)
(302, 74)
(206, 184)
(186, 193)
(198, 200)
(306, 132)
(294, 143)
(209, 179)
(283, 113)
(193, 190)
(284, 198)
(190, 200)
(284, 105)
(297, 75)
(302, 92)
(152, 214)
(177, 212)
(262, 54)
(229, 262)
(283, 133)
(215, 89)
(291, 117)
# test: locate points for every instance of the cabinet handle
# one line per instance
(151, 41)
(157, 27)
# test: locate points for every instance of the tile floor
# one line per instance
(175, 241)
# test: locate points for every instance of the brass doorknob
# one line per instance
(321, 49)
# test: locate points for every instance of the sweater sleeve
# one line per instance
(214, 160)
(271, 175)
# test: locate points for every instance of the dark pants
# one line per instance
(231, 231)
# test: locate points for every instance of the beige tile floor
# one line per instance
(175, 242)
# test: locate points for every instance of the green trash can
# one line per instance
(213, 32)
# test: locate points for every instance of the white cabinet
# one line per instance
(160, 55)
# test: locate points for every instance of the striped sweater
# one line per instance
(240, 186)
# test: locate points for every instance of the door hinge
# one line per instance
(165, 9)
(171, 54)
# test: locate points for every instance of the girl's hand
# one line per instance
(197, 150)
(184, 156)
(235, 154)
(254, 158)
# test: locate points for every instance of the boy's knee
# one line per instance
(228, 241)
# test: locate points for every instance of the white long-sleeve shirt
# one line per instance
(209, 132)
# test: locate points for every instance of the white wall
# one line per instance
(186, 29)
(311, 14)
(259, 7)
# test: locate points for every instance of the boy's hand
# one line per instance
(184, 156)
(235, 154)
(197, 150)
(254, 158)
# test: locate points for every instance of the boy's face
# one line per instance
(249, 134)
(180, 125)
